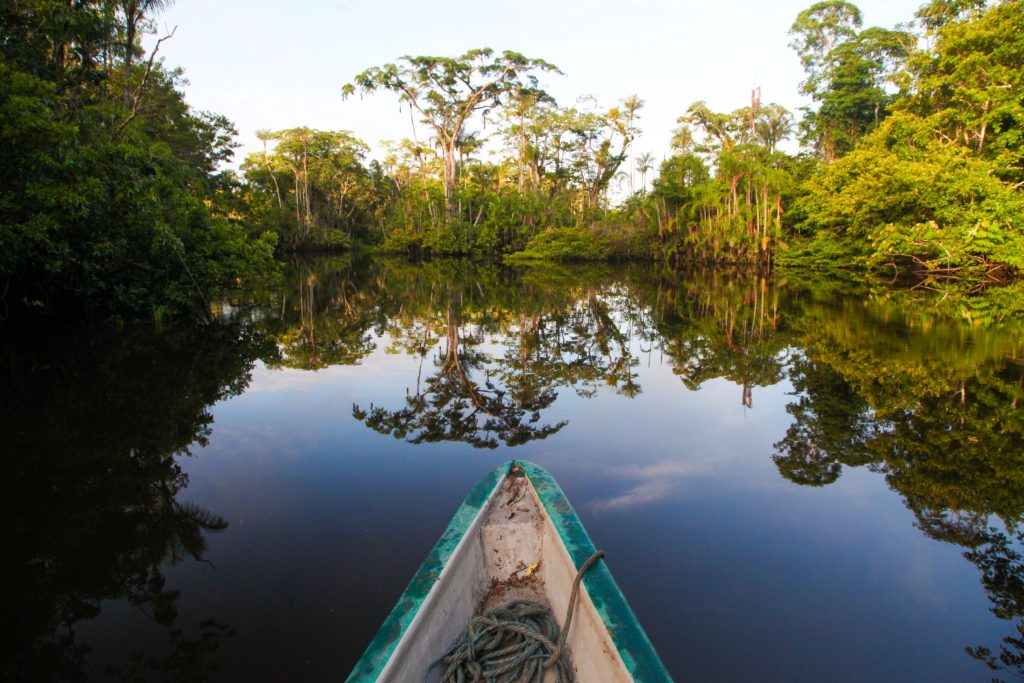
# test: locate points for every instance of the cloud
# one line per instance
(655, 481)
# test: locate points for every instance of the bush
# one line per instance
(917, 199)
(563, 244)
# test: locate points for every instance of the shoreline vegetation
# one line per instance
(114, 200)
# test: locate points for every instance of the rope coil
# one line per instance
(513, 643)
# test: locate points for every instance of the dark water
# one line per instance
(794, 480)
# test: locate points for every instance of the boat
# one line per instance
(514, 538)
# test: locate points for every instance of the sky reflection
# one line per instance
(783, 495)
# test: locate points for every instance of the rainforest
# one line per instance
(776, 362)
(116, 198)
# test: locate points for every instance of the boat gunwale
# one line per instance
(378, 654)
(635, 648)
(628, 636)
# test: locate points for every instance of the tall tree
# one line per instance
(107, 188)
(848, 71)
(448, 91)
(644, 165)
(970, 82)
(133, 12)
(817, 32)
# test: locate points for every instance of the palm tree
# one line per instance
(644, 165)
(774, 126)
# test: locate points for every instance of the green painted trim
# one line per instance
(372, 663)
(629, 637)
(634, 646)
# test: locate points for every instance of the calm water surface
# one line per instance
(793, 480)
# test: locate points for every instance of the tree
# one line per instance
(736, 215)
(847, 73)
(969, 83)
(328, 195)
(263, 135)
(855, 99)
(448, 91)
(913, 200)
(644, 165)
(133, 12)
(106, 200)
(817, 32)
(773, 125)
(939, 13)
(529, 118)
(591, 144)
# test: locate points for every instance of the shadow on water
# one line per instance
(94, 426)
(923, 389)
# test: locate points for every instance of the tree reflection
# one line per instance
(502, 354)
(508, 341)
(941, 421)
(722, 325)
(879, 380)
(323, 317)
(95, 427)
(1001, 563)
(831, 423)
(454, 407)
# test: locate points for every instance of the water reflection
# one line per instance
(888, 382)
(940, 419)
(499, 366)
(925, 391)
(94, 426)
(450, 405)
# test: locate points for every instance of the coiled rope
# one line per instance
(513, 643)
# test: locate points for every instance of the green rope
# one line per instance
(513, 643)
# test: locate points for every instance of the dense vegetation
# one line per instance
(909, 157)
(108, 180)
(113, 198)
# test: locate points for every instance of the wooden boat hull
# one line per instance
(512, 538)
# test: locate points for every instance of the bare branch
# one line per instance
(136, 98)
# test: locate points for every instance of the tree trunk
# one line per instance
(448, 177)
(131, 23)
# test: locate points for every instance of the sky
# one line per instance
(279, 65)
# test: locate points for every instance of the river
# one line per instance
(794, 478)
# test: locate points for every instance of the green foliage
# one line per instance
(936, 187)
(969, 84)
(563, 244)
(312, 189)
(914, 158)
(448, 91)
(824, 251)
(734, 214)
(107, 178)
(847, 73)
(918, 200)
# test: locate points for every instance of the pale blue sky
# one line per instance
(279, 64)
